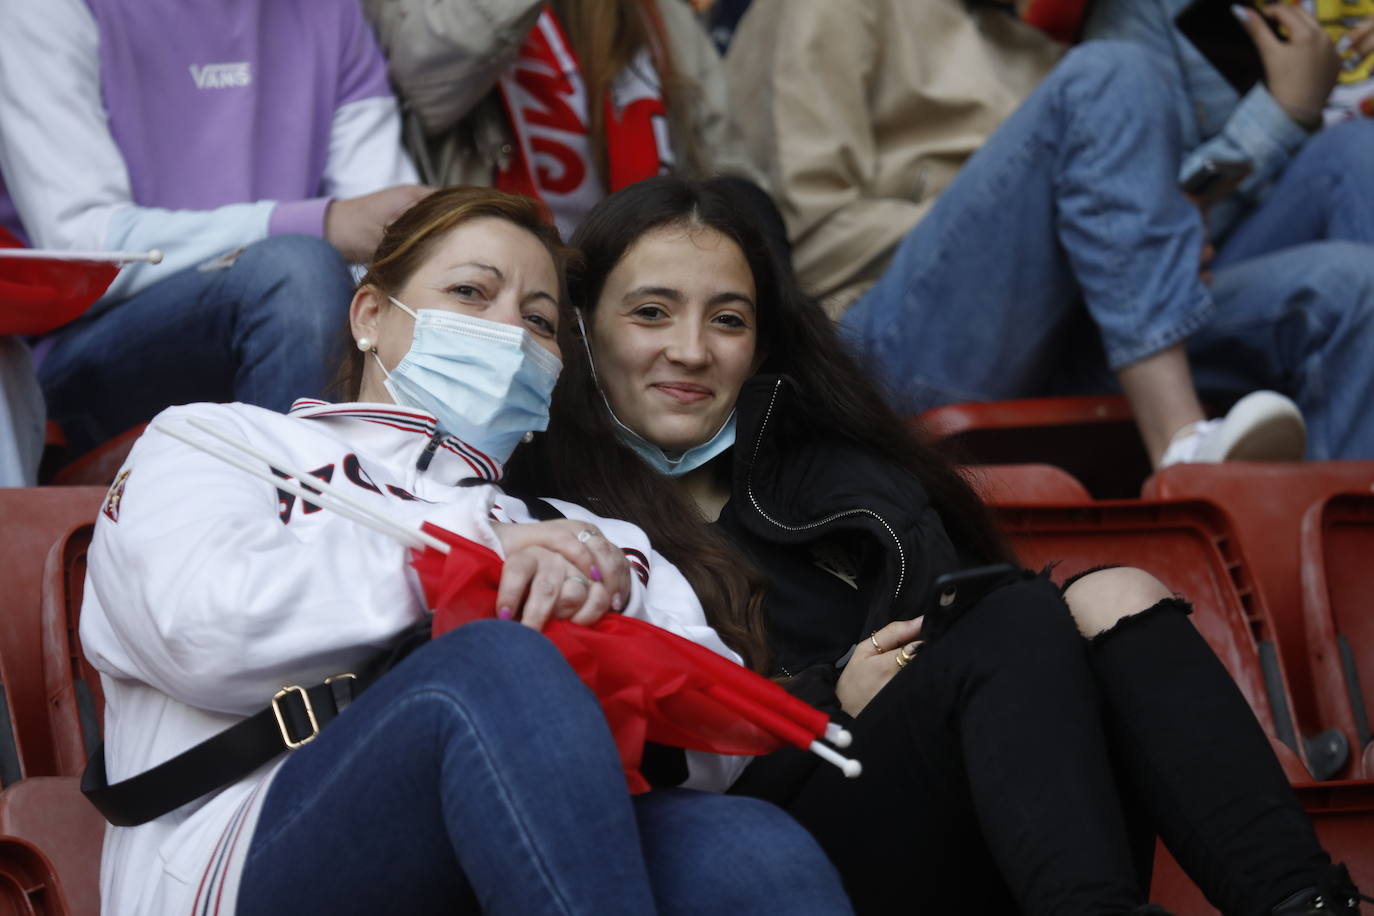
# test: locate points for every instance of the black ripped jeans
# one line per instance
(1010, 766)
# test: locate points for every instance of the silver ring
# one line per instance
(585, 535)
(581, 580)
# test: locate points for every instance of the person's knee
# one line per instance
(1345, 149)
(1101, 599)
(1100, 62)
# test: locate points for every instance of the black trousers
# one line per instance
(1008, 766)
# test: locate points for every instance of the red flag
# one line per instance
(40, 294)
(653, 685)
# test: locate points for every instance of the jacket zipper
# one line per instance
(753, 499)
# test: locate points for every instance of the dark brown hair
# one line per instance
(605, 36)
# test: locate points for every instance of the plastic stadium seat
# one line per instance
(1024, 483)
(1267, 503)
(1341, 812)
(28, 881)
(76, 702)
(1094, 438)
(1190, 547)
(1337, 581)
(99, 466)
(51, 814)
(31, 519)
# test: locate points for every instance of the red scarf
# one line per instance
(546, 101)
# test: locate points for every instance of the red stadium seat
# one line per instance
(31, 519)
(1342, 813)
(1267, 502)
(1024, 483)
(1094, 438)
(1337, 580)
(51, 814)
(99, 466)
(28, 881)
(76, 702)
(1189, 545)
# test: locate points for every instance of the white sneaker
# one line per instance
(1262, 426)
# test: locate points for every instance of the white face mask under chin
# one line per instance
(485, 382)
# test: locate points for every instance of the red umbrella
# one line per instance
(43, 290)
(653, 685)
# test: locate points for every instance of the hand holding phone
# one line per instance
(1213, 181)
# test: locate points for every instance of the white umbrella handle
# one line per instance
(317, 491)
(48, 254)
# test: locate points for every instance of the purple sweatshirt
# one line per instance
(193, 126)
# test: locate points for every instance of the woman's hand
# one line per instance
(870, 669)
(563, 568)
(1300, 70)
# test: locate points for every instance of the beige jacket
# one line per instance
(445, 57)
(860, 112)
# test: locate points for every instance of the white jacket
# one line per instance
(208, 590)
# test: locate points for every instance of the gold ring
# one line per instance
(873, 638)
(902, 660)
(907, 655)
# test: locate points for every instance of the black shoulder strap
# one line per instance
(293, 718)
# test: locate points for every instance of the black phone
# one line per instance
(1212, 181)
(1213, 29)
(942, 603)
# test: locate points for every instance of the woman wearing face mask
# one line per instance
(478, 773)
(998, 756)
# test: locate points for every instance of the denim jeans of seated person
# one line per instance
(1067, 228)
(262, 328)
(480, 775)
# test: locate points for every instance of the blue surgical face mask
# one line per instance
(654, 456)
(485, 382)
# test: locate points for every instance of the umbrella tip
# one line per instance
(852, 769)
(838, 735)
(155, 256)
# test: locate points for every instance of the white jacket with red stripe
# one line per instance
(208, 590)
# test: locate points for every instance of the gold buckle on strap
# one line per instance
(281, 719)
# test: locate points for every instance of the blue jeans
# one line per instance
(480, 773)
(1326, 192)
(265, 330)
(1063, 251)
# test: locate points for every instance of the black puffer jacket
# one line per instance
(847, 541)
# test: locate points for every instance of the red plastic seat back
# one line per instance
(1267, 502)
(1189, 546)
(50, 813)
(76, 702)
(99, 466)
(1093, 438)
(31, 519)
(1337, 581)
(29, 885)
(1022, 484)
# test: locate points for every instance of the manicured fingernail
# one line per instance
(617, 602)
(505, 613)
(596, 574)
(1239, 12)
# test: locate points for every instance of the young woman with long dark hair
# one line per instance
(1010, 760)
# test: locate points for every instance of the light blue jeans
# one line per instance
(480, 773)
(1064, 249)
(265, 330)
